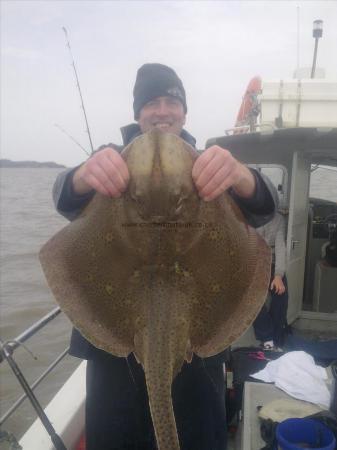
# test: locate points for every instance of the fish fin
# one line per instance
(189, 352)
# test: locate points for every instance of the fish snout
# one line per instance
(158, 204)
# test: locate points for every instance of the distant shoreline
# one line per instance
(8, 164)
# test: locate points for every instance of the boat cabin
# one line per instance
(289, 145)
(289, 156)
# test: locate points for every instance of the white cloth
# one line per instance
(297, 374)
(286, 408)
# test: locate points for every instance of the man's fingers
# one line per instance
(214, 172)
(110, 175)
(120, 166)
(97, 177)
(99, 187)
(221, 179)
(209, 171)
(107, 169)
(114, 166)
(201, 163)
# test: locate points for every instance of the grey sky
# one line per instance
(215, 47)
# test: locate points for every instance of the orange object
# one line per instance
(81, 444)
(249, 109)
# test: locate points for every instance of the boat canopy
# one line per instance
(278, 145)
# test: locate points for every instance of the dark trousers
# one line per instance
(270, 324)
(118, 415)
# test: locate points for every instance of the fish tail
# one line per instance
(159, 377)
(162, 346)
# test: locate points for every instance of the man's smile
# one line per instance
(162, 125)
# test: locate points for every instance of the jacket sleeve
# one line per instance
(261, 208)
(66, 201)
(280, 248)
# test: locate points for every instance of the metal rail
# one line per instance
(15, 406)
(13, 344)
(6, 350)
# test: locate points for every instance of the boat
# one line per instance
(290, 131)
(283, 143)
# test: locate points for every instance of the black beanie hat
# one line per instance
(156, 80)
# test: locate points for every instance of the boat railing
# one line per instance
(7, 349)
(263, 128)
(13, 344)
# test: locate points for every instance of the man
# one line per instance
(117, 412)
(271, 323)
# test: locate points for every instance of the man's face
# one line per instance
(166, 113)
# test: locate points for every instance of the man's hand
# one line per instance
(216, 170)
(105, 171)
(278, 285)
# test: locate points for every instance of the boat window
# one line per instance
(278, 176)
(323, 182)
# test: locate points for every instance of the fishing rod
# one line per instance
(79, 88)
(71, 137)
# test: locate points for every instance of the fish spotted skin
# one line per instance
(158, 271)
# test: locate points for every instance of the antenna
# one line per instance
(298, 39)
(79, 88)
